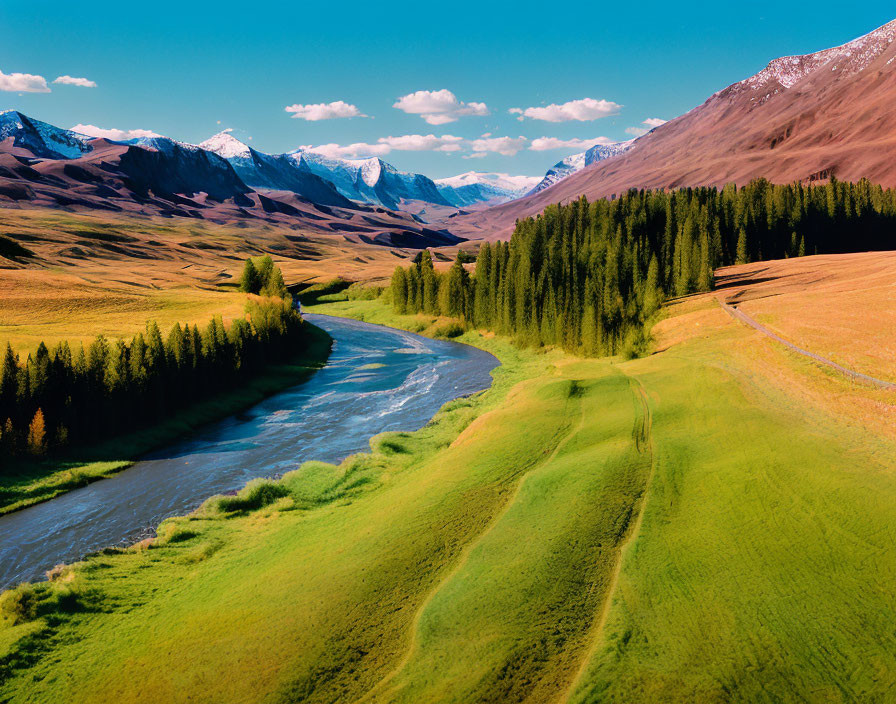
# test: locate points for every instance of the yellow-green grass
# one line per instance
(38, 307)
(29, 482)
(95, 273)
(665, 529)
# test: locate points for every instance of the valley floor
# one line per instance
(714, 522)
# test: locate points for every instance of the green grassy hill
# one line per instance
(674, 528)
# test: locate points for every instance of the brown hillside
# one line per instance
(800, 119)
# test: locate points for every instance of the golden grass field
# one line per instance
(108, 274)
(841, 306)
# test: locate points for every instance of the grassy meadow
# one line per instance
(86, 274)
(697, 525)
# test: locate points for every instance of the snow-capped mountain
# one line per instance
(800, 119)
(166, 165)
(474, 187)
(273, 172)
(369, 180)
(577, 162)
(847, 59)
(40, 138)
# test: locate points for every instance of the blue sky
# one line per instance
(190, 69)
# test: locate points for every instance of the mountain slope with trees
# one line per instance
(803, 118)
(589, 276)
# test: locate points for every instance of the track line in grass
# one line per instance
(643, 442)
(738, 314)
(468, 551)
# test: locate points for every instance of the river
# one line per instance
(376, 379)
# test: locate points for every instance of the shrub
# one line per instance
(636, 344)
(361, 292)
(257, 494)
(19, 605)
(449, 330)
(172, 532)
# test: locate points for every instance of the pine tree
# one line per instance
(743, 256)
(265, 272)
(9, 438)
(399, 288)
(705, 277)
(481, 310)
(430, 284)
(8, 379)
(37, 441)
(652, 292)
(275, 286)
(250, 281)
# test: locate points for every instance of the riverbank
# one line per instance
(41, 481)
(554, 538)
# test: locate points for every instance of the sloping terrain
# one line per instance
(70, 276)
(803, 118)
(711, 523)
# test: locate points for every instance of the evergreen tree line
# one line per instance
(588, 276)
(65, 396)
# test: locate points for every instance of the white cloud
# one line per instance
(112, 133)
(357, 150)
(543, 144)
(385, 145)
(23, 83)
(324, 111)
(421, 143)
(647, 125)
(583, 110)
(438, 107)
(474, 148)
(72, 81)
(506, 146)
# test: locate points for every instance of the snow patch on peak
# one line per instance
(41, 138)
(577, 162)
(226, 145)
(850, 58)
(371, 170)
(501, 181)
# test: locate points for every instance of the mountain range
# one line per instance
(802, 118)
(219, 179)
(572, 164)
(45, 166)
(474, 187)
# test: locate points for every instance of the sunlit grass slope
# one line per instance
(675, 528)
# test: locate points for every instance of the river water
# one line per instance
(376, 379)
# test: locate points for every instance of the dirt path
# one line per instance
(856, 376)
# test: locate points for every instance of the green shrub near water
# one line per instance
(449, 330)
(255, 495)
